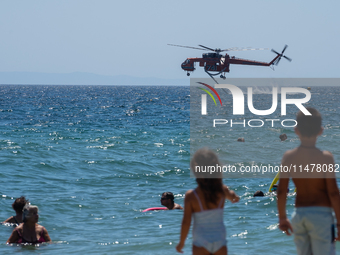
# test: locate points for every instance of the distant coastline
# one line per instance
(82, 78)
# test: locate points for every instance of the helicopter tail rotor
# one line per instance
(281, 55)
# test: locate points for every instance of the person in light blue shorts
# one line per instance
(313, 228)
(317, 193)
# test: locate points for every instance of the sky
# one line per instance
(110, 37)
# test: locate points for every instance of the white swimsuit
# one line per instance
(209, 230)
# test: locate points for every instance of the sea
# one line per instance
(92, 158)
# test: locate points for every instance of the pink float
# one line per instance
(155, 209)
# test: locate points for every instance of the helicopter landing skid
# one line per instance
(211, 76)
(216, 81)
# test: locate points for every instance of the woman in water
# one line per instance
(18, 205)
(205, 204)
(29, 231)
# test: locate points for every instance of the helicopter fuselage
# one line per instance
(214, 62)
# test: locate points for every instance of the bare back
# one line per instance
(207, 205)
(311, 185)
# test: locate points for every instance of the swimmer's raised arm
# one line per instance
(186, 222)
(230, 195)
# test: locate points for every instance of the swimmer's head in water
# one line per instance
(167, 199)
(19, 204)
(258, 193)
(168, 195)
(309, 125)
(283, 137)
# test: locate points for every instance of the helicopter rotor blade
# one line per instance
(243, 49)
(280, 55)
(206, 48)
(275, 52)
(289, 59)
(218, 50)
(230, 49)
(186, 47)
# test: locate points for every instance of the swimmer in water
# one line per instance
(258, 193)
(283, 137)
(29, 231)
(168, 201)
(18, 205)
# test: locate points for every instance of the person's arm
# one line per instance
(14, 237)
(46, 236)
(284, 223)
(333, 193)
(186, 222)
(9, 220)
(230, 195)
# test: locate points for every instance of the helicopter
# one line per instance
(215, 63)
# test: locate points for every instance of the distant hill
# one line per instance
(79, 78)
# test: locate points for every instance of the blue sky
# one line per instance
(130, 37)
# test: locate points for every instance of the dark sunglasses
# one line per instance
(164, 198)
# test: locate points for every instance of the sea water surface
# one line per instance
(93, 157)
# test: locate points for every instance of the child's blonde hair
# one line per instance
(210, 183)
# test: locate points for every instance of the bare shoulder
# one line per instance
(328, 156)
(189, 194)
(189, 198)
(177, 206)
(39, 227)
(18, 229)
(289, 155)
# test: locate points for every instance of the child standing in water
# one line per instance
(205, 204)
